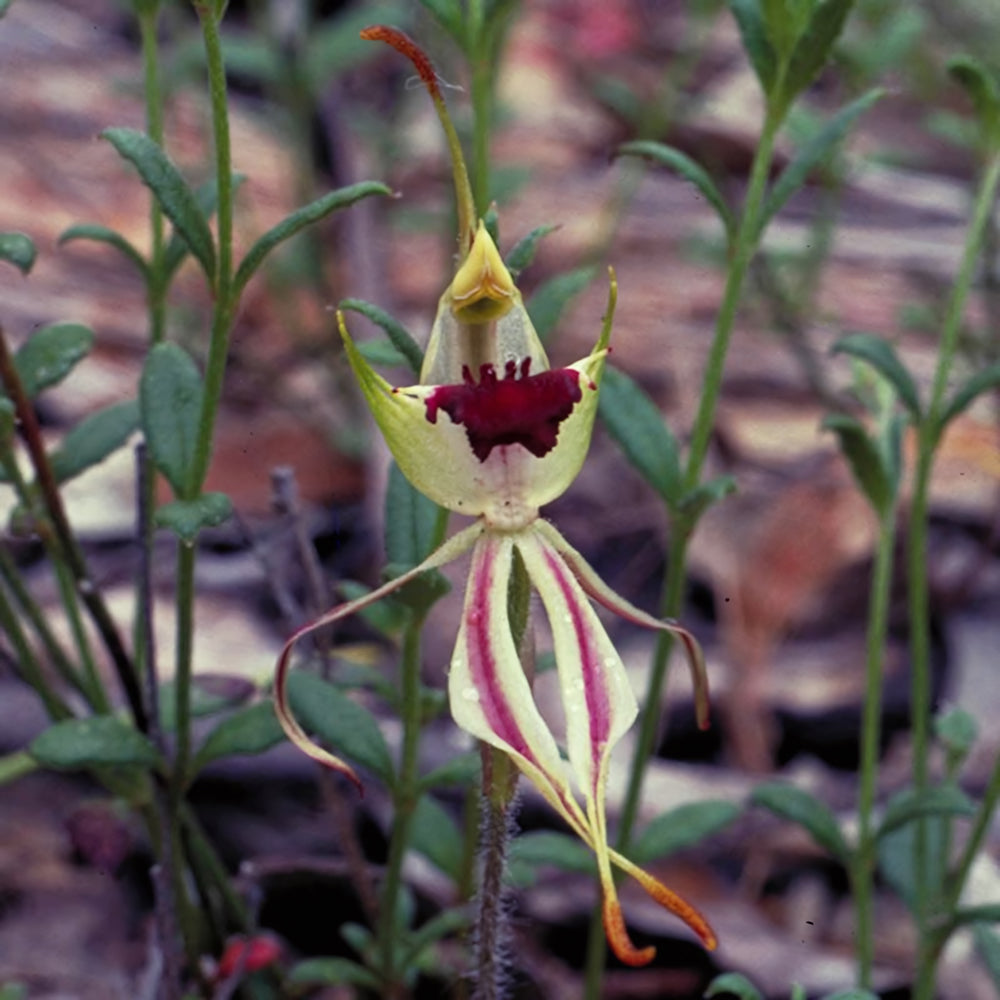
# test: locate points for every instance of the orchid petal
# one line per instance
(444, 554)
(596, 588)
(489, 693)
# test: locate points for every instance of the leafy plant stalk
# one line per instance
(747, 240)
(929, 433)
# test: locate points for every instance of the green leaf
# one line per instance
(297, 221)
(102, 234)
(559, 850)
(249, 731)
(814, 45)
(382, 354)
(170, 399)
(347, 727)
(4, 7)
(985, 913)
(882, 356)
(988, 946)
(984, 380)
(18, 249)
(49, 355)
(981, 86)
(810, 813)
(736, 984)
(11, 991)
(694, 503)
(523, 252)
(448, 13)
(333, 972)
(897, 857)
(206, 197)
(552, 297)
(101, 740)
(185, 518)
(394, 330)
(411, 521)
(911, 804)
(854, 994)
(463, 771)
(681, 163)
(682, 827)
(639, 429)
(209, 695)
(435, 834)
(865, 459)
(94, 438)
(171, 191)
(813, 154)
(16, 765)
(755, 42)
(448, 922)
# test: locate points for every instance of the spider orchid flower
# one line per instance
(493, 432)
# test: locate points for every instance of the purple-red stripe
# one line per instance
(594, 689)
(482, 661)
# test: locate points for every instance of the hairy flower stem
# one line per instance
(499, 804)
(916, 561)
(863, 864)
(405, 798)
(744, 247)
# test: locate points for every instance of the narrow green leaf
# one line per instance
(394, 330)
(882, 356)
(985, 913)
(449, 14)
(755, 42)
(810, 813)
(435, 834)
(248, 731)
(4, 7)
(462, 771)
(981, 86)
(546, 847)
(382, 354)
(448, 922)
(813, 153)
(171, 191)
(185, 518)
(94, 438)
(18, 248)
(209, 694)
(523, 252)
(101, 740)
(102, 234)
(897, 857)
(16, 765)
(695, 502)
(297, 221)
(170, 400)
(681, 163)
(50, 354)
(988, 946)
(911, 804)
(552, 297)
(854, 994)
(733, 983)
(333, 972)
(411, 521)
(814, 45)
(982, 381)
(639, 429)
(683, 827)
(206, 197)
(347, 727)
(865, 460)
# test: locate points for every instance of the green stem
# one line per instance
(405, 797)
(477, 47)
(183, 669)
(916, 542)
(222, 315)
(745, 245)
(863, 867)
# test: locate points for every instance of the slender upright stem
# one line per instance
(916, 547)
(405, 797)
(863, 868)
(478, 50)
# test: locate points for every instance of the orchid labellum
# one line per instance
(492, 432)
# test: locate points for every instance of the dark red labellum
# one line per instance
(517, 409)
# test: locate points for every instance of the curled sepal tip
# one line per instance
(443, 555)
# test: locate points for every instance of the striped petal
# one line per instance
(446, 553)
